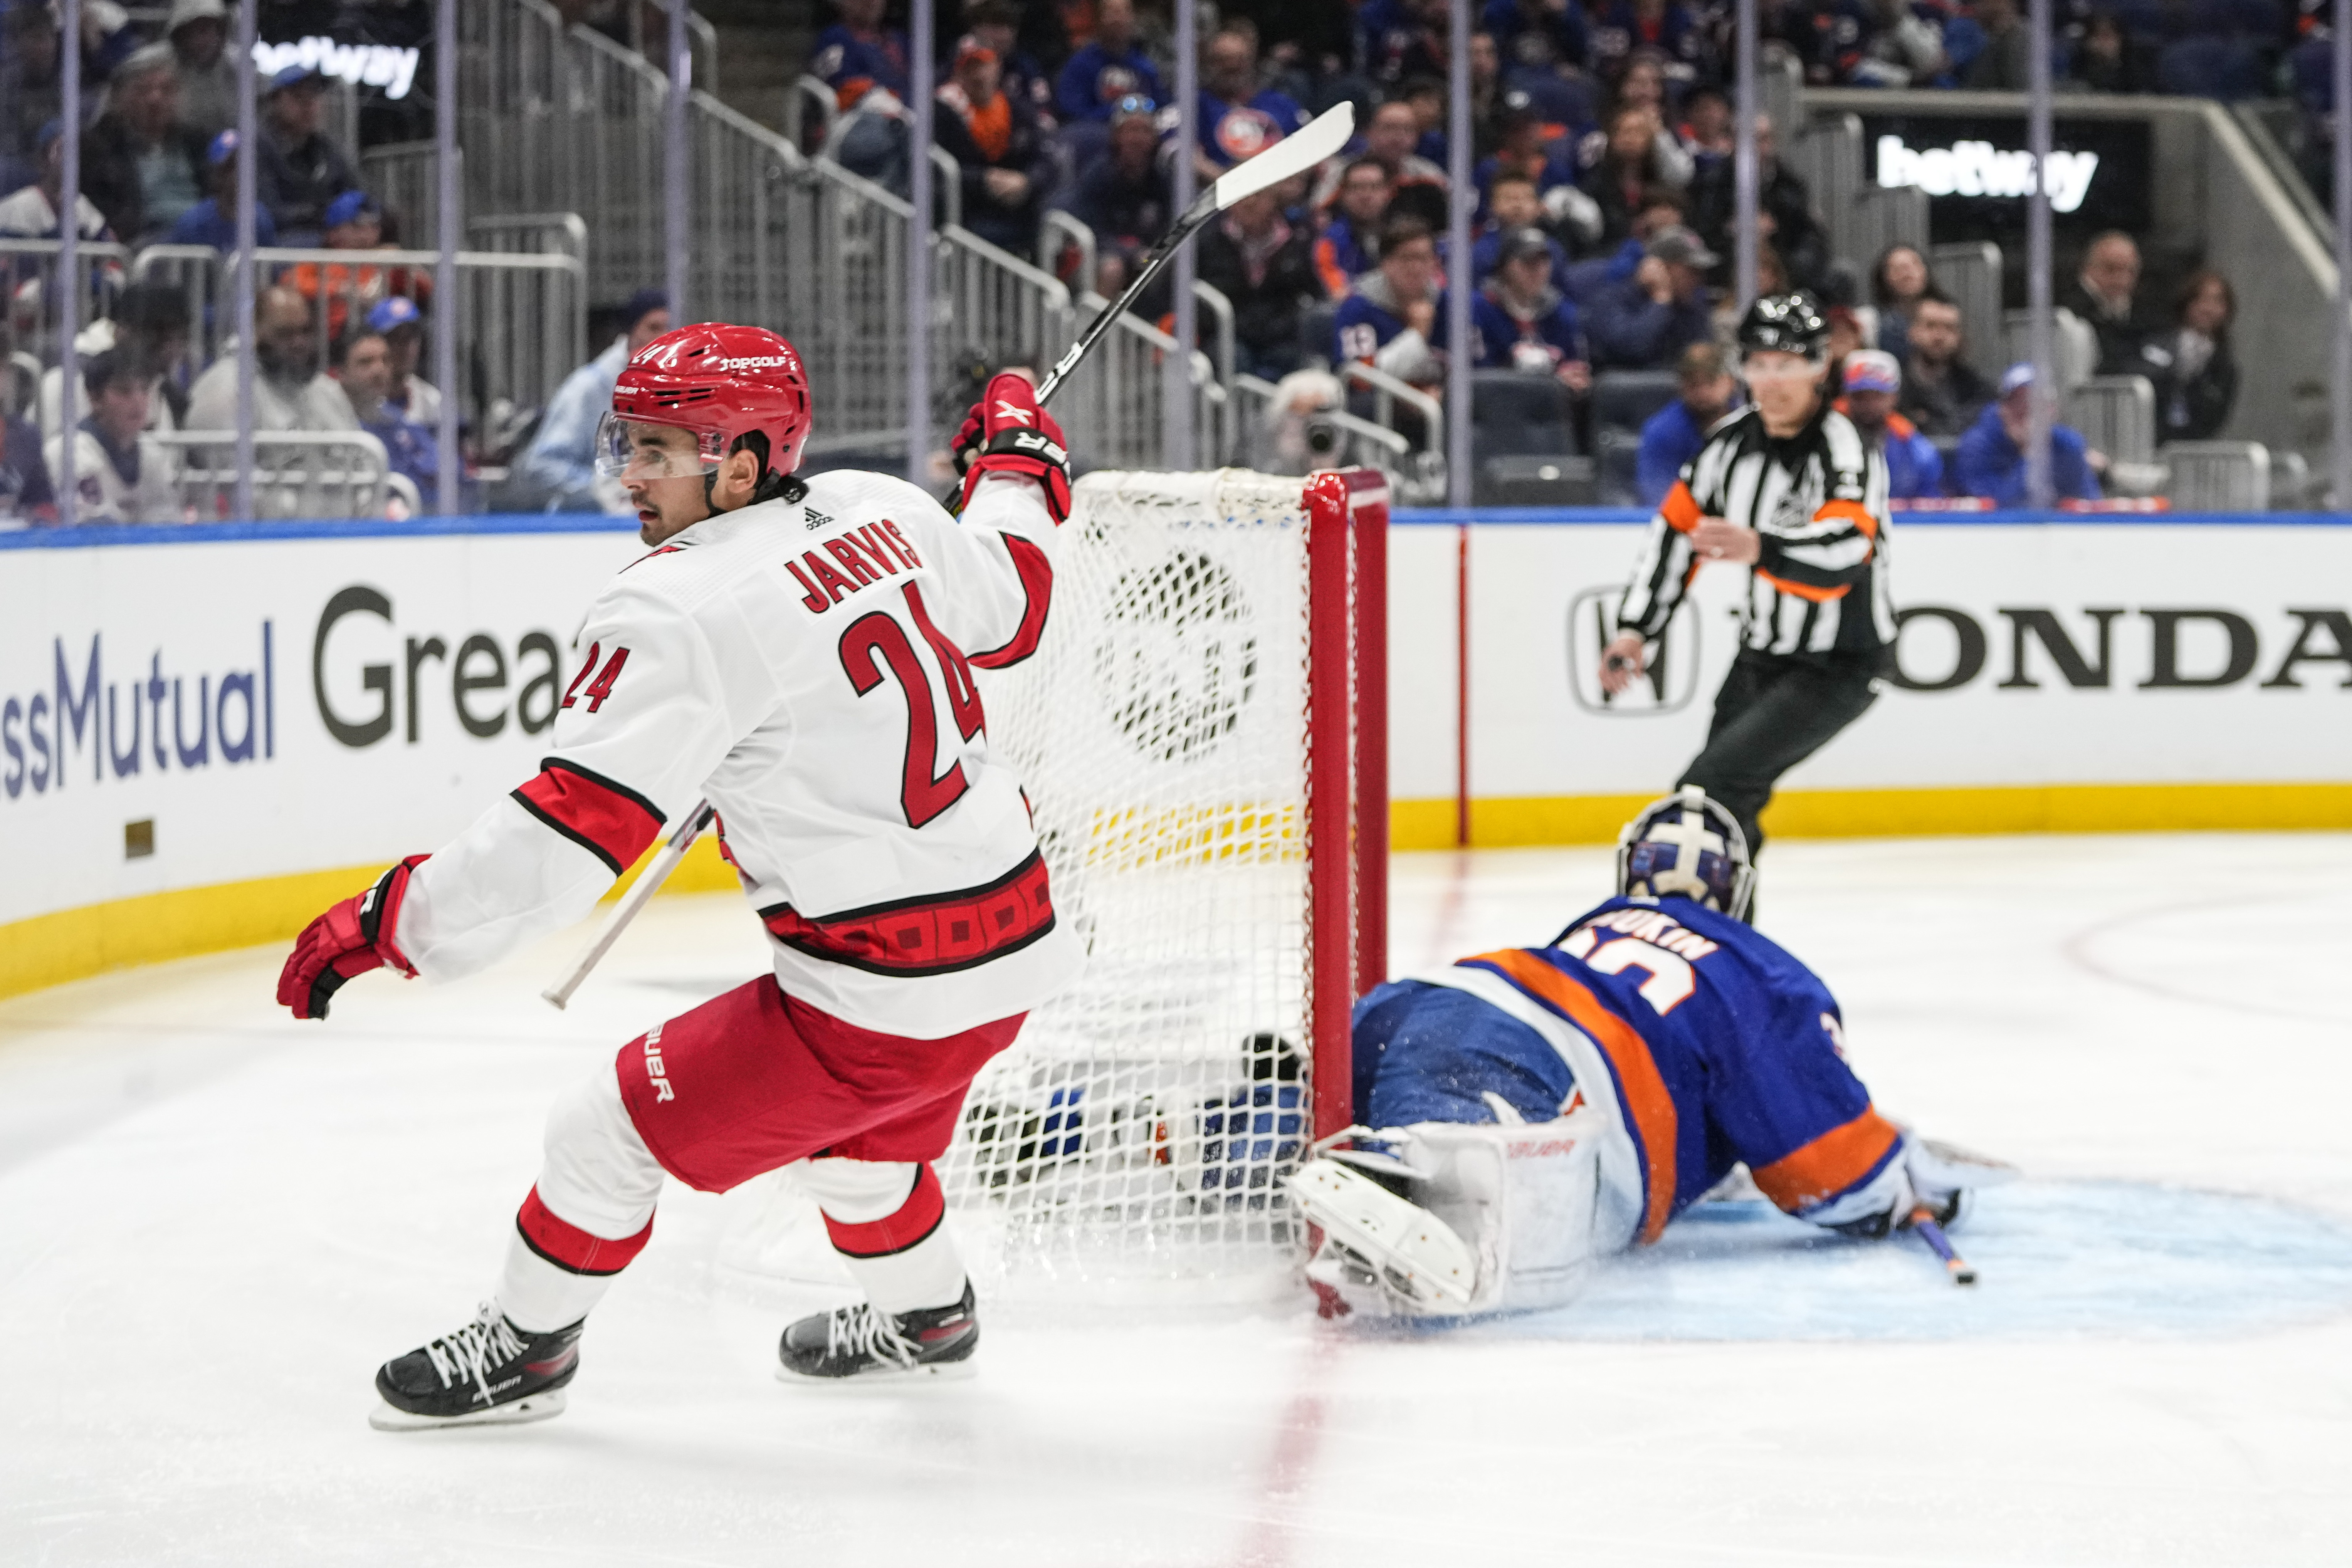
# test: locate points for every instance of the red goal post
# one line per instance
(1347, 546)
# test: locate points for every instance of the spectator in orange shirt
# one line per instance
(355, 221)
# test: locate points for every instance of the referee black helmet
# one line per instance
(1790, 323)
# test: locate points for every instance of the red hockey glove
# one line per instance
(350, 939)
(1007, 432)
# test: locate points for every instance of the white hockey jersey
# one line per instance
(805, 666)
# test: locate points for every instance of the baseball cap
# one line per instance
(2020, 374)
(186, 11)
(290, 76)
(1521, 243)
(969, 48)
(1872, 370)
(396, 310)
(350, 207)
(223, 149)
(1675, 243)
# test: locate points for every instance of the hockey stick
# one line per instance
(1294, 154)
(1923, 1220)
(656, 872)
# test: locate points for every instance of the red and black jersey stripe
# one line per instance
(938, 934)
(610, 821)
(1037, 582)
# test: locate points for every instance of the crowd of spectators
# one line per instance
(1603, 162)
(336, 342)
(1601, 158)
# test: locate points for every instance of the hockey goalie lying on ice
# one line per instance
(1538, 1108)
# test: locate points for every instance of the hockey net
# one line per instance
(1202, 736)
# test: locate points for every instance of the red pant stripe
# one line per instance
(914, 1220)
(573, 1249)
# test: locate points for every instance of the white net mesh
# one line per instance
(1136, 1131)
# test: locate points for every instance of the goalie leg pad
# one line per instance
(1527, 1197)
(1416, 1256)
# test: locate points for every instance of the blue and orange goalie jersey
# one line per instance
(1710, 1043)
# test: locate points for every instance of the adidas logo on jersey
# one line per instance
(817, 520)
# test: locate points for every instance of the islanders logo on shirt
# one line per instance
(1116, 82)
(1245, 131)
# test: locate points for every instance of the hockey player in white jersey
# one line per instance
(798, 652)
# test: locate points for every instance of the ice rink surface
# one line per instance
(214, 1222)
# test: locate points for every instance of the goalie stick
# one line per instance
(655, 872)
(1923, 1220)
(1294, 154)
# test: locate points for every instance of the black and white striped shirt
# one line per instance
(1817, 499)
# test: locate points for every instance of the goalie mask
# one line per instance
(1687, 846)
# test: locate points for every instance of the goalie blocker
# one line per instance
(1525, 1113)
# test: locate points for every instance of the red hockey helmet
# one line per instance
(717, 381)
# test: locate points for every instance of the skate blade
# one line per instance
(535, 1408)
(884, 1377)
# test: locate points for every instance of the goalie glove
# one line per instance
(350, 939)
(1008, 432)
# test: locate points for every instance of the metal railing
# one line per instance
(1969, 271)
(522, 316)
(1263, 440)
(1426, 482)
(809, 92)
(1058, 231)
(296, 474)
(1212, 299)
(531, 234)
(404, 179)
(30, 269)
(701, 48)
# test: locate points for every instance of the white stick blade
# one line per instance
(1300, 151)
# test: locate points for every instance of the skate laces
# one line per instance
(862, 1331)
(487, 1342)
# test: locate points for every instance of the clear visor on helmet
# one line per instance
(628, 449)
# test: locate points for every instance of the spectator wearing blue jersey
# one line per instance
(1990, 462)
(1236, 120)
(1626, 28)
(1349, 243)
(1513, 207)
(1523, 323)
(1127, 196)
(1538, 34)
(212, 221)
(411, 449)
(1394, 320)
(857, 53)
(1873, 380)
(558, 468)
(1403, 38)
(1109, 69)
(1523, 152)
(1646, 321)
(1672, 436)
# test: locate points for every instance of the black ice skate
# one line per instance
(851, 1342)
(488, 1371)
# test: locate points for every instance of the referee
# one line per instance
(1789, 489)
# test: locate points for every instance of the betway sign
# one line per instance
(361, 64)
(1981, 169)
